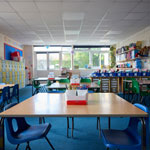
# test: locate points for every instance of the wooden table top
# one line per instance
(52, 105)
(46, 78)
(66, 85)
(2, 86)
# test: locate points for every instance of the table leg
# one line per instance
(72, 127)
(67, 126)
(2, 138)
(143, 140)
(98, 125)
(109, 123)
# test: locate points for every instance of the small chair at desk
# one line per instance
(25, 132)
(128, 138)
(15, 92)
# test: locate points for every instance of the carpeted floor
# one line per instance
(86, 137)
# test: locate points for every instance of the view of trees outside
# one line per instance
(42, 61)
(81, 59)
(66, 60)
(96, 60)
(54, 61)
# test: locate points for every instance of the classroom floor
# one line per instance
(86, 136)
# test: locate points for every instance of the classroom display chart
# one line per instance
(12, 72)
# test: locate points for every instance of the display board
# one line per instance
(8, 49)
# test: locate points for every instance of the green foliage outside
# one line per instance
(96, 59)
(66, 60)
(113, 56)
(81, 59)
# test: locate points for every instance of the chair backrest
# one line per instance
(2, 83)
(64, 81)
(35, 83)
(135, 87)
(21, 125)
(48, 82)
(133, 123)
(15, 91)
(85, 80)
(99, 82)
(6, 93)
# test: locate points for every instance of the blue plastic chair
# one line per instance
(2, 83)
(128, 138)
(25, 132)
(6, 94)
(15, 92)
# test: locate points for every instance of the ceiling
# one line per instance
(77, 22)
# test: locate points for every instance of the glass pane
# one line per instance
(66, 60)
(96, 60)
(54, 61)
(104, 60)
(95, 49)
(41, 61)
(81, 59)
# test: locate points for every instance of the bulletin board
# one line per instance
(8, 49)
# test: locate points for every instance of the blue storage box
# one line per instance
(119, 74)
(143, 73)
(98, 74)
(147, 73)
(127, 74)
(131, 74)
(123, 74)
(113, 74)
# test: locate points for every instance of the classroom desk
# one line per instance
(92, 85)
(99, 105)
(45, 79)
(5, 85)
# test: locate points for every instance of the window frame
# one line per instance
(73, 50)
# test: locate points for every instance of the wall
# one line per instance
(143, 35)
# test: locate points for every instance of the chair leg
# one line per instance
(98, 124)
(49, 143)
(17, 146)
(67, 126)
(28, 146)
(72, 126)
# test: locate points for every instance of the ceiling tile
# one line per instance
(135, 16)
(142, 7)
(24, 6)
(4, 7)
(123, 6)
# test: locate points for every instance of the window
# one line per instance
(41, 61)
(96, 59)
(66, 60)
(54, 61)
(81, 59)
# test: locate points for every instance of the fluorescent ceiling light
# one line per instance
(114, 32)
(73, 16)
(72, 32)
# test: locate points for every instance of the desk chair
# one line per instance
(128, 138)
(6, 94)
(37, 86)
(85, 80)
(15, 92)
(25, 132)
